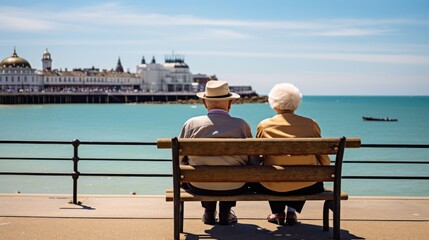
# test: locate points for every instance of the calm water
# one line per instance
(337, 116)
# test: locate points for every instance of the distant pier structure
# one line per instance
(57, 98)
(152, 82)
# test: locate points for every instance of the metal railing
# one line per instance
(76, 174)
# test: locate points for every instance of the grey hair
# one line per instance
(284, 96)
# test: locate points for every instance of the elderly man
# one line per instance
(217, 99)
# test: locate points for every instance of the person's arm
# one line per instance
(322, 159)
(185, 159)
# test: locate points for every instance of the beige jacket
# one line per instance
(289, 125)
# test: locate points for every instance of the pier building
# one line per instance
(173, 75)
(16, 74)
(152, 81)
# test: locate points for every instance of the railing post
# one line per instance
(76, 172)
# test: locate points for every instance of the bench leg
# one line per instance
(182, 213)
(329, 205)
(176, 220)
(336, 219)
(326, 206)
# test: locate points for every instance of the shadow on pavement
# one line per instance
(251, 232)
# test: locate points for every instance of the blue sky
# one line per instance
(354, 47)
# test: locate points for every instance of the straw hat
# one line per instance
(217, 90)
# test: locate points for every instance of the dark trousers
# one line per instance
(224, 206)
(280, 206)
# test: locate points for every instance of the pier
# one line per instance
(56, 98)
(110, 97)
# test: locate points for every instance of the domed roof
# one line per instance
(14, 62)
(46, 54)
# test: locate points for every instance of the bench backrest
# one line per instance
(256, 146)
(233, 146)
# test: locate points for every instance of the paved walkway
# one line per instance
(150, 217)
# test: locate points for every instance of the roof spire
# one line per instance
(14, 52)
(119, 67)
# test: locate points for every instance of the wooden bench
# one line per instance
(227, 146)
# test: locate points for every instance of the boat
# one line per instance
(379, 119)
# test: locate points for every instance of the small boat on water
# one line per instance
(379, 119)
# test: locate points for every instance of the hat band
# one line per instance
(223, 96)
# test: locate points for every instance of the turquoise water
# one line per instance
(337, 116)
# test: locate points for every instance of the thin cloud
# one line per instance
(370, 58)
(24, 20)
(114, 17)
(350, 32)
(224, 33)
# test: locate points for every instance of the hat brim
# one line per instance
(230, 96)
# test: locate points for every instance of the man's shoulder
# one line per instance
(196, 120)
(239, 120)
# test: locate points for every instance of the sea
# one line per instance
(337, 116)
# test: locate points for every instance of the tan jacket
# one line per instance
(289, 125)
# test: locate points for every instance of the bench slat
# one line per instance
(256, 146)
(187, 196)
(257, 174)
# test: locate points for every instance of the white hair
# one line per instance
(284, 96)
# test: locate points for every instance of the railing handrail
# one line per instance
(88, 159)
(363, 145)
(169, 160)
(394, 145)
(76, 174)
(70, 142)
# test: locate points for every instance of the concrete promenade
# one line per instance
(45, 217)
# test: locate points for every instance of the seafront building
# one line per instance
(172, 76)
(17, 75)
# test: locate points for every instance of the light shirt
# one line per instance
(216, 124)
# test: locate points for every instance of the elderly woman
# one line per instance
(285, 99)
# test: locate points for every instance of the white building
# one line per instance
(172, 76)
(16, 75)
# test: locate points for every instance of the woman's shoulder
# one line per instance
(302, 118)
(267, 121)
